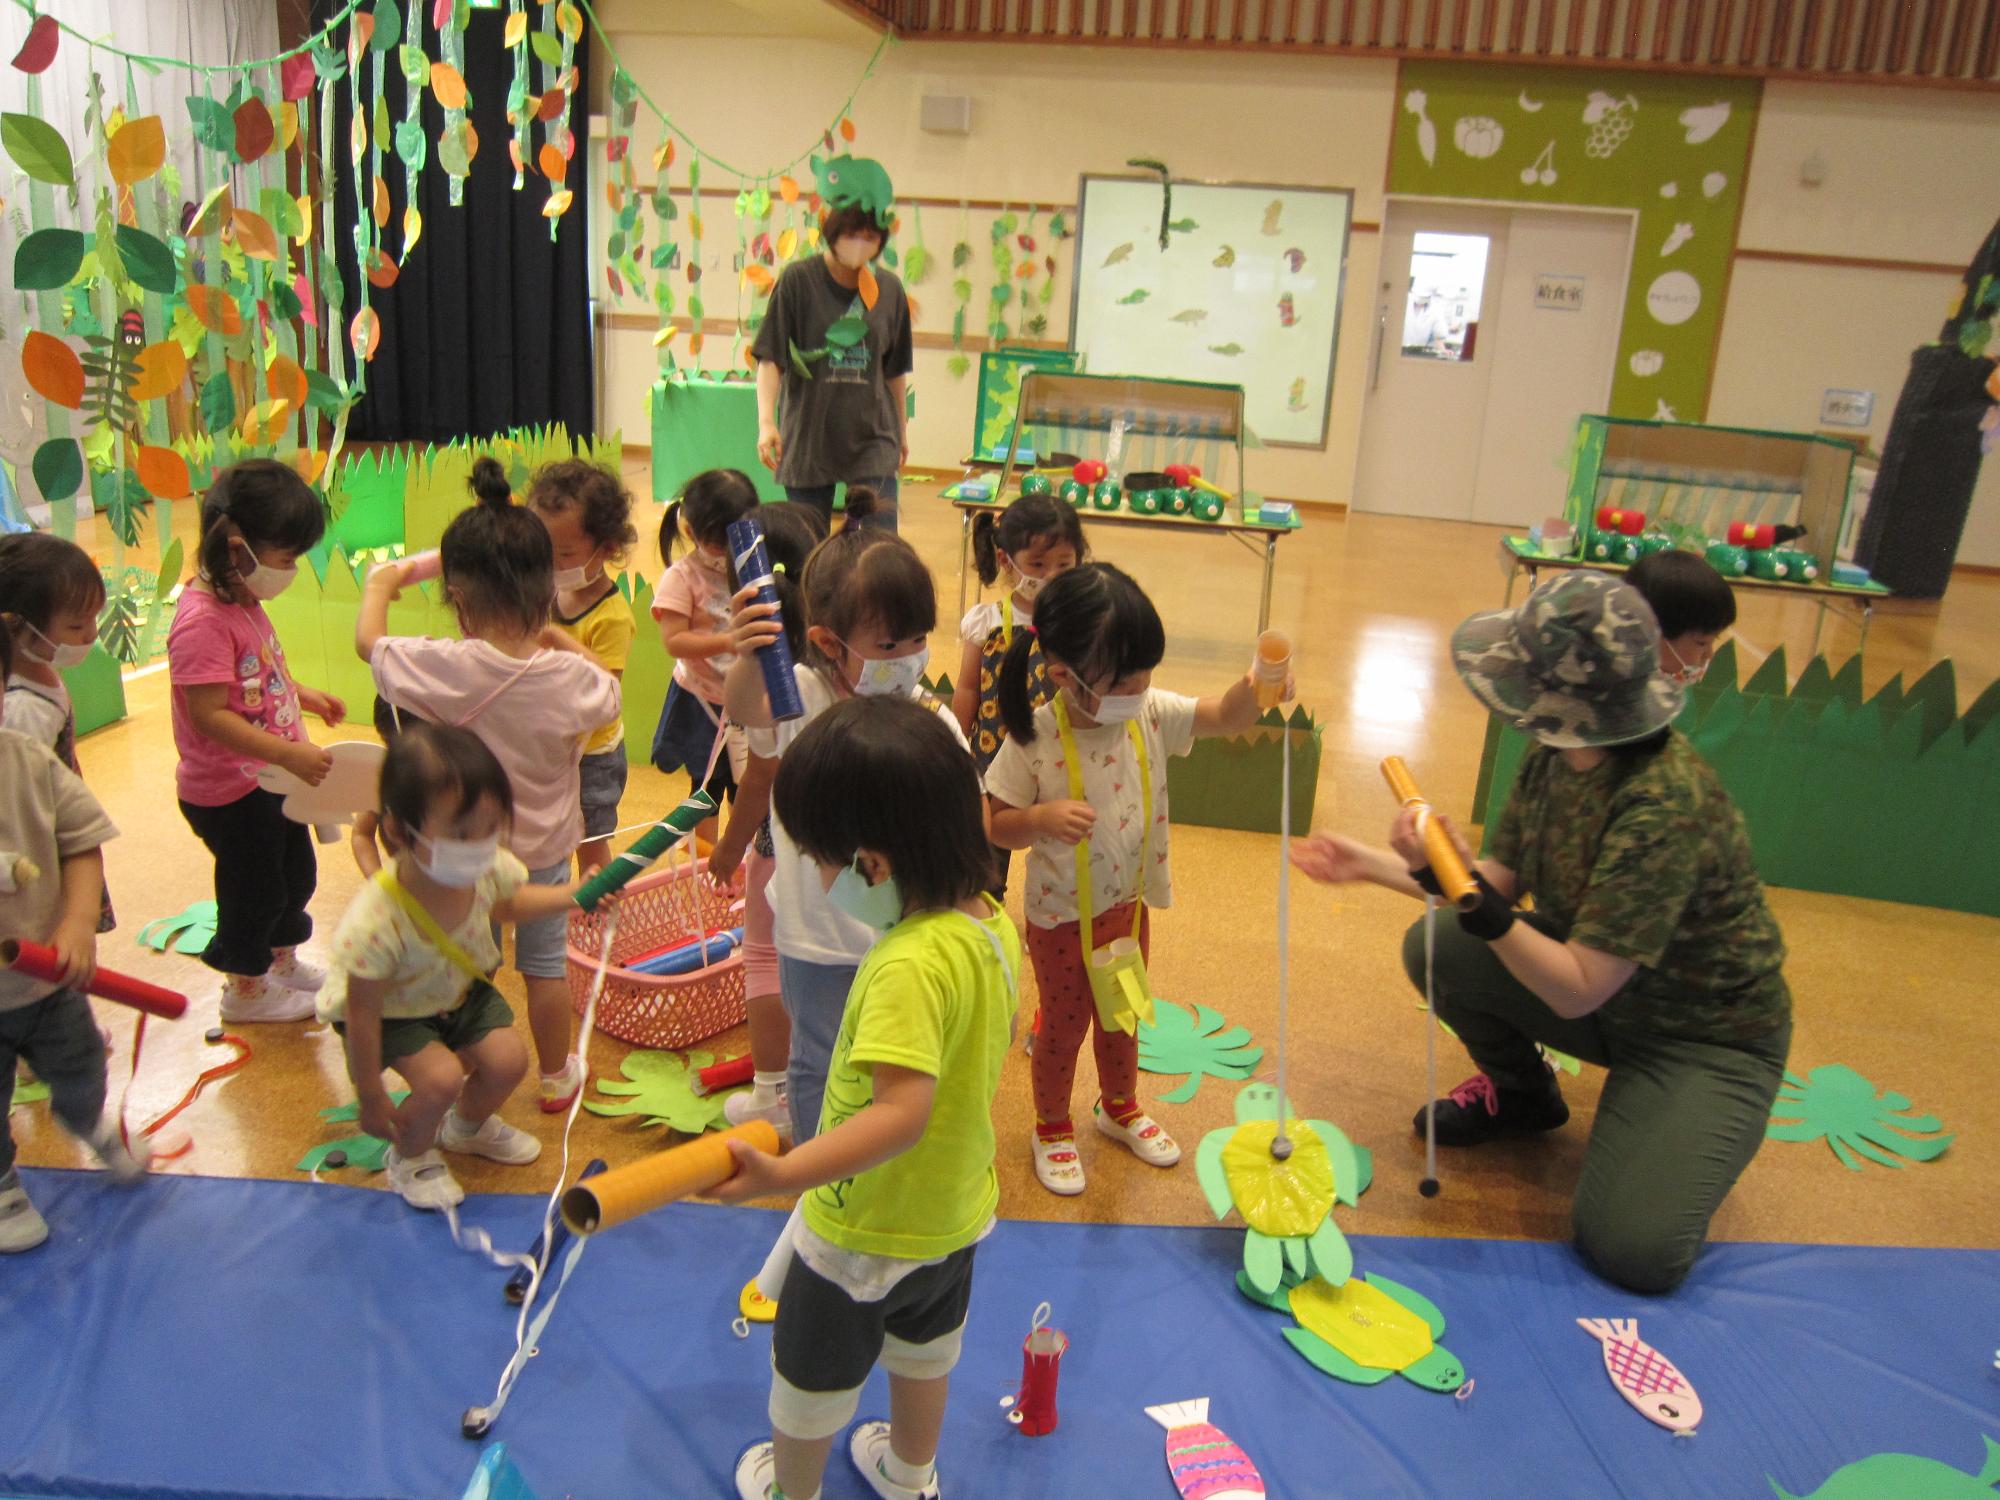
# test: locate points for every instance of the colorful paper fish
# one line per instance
(1287, 313)
(1644, 1376)
(1204, 1460)
(1295, 259)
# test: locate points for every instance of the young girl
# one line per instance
(899, 1183)
(531, 694)
(50, 597)
(407, 984)
(692, 606)
(588, 514)
(1091, 765)
(1033, 540)
(870, 608)
(235, 708)
(791, 531)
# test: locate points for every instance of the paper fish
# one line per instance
(1204, 1461)
(1273, 211)
(1295, 258)
(1287, 313)
(1227, 257)
(1232, 350)
(1295, 398)
(1123, 252)
(1134, 298)
(1644, 1376)
(1191, 315)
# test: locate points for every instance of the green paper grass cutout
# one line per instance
(1375, 1300)
(1905, 1476)
(1267, 1259)
(28, 1092)
(1836, 1104)
(660, 1086)
(186, 931)
(1197, 1045)
(363, 1151)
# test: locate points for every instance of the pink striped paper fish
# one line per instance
(1204, 1460)
(1644, 1376)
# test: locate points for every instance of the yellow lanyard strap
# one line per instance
(1074, 763)
(1006, 621)
(428, 924)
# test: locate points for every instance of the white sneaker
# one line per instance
(424, 1181)
(756, 1473)
(1057, 1166)
(1143, 1138)
(294, 973)
(741, 1108)
(123, 1164)
(259, 1000)
(21, 1228)
(559, 1090)
(868, 1445)
(495, 1139)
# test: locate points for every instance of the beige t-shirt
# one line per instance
(47, 815)
(378, 940)
(1023, 775)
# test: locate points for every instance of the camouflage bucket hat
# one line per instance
(1577, 665)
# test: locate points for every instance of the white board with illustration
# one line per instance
(1247, 291)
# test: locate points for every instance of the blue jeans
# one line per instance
(815, 997)
(820, 497)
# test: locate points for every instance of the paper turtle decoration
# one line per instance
(1286, 1205)
(1365, 1330)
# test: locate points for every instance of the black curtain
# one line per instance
(488, 324)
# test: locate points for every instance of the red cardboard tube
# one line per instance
(38, 962)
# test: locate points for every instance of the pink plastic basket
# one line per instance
(656, 910)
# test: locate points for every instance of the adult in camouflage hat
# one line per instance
(1650, 951)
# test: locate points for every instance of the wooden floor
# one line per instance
(1903, 994)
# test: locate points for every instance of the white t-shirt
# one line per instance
(37, 710)
(377, 939)
(805, 925)
(1024, 775)
(984, 618)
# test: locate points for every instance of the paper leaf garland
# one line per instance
(216, 309)
(296, 76)
(147, 260)
(1197, 1045)
(660, 1086)
(253, 235)
(569, 21)
(214, 213)
(448, 85)
(163, 472)
(47, 259)
(58, 469)
(218, 402)
(365, 333)
(137, 150)
(37, 149)
(287, 381)
(1835, 1104)
(52, 369)
(253, 129)
(39, 50)
(158, 371)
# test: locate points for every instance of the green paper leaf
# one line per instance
(957, 365)
(350, 1113)
(323, 393)
(416, 64)
(363, 1152)
(218, 402)
(97, 450)
(961, 255)
(916, 264)
(547, 47)
(847, 331)
(888, 257)
(453, 154)
(285, 304)
(58, 468)
(696, 310)
(412, 145)
(170, 572)
(29, 1093)
(1197, 1045)
(214, 126)
(39, 150)
(47, 259)
(281, 211)
(380, 127)
(388, 26)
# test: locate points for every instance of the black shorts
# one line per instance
(826, 1341)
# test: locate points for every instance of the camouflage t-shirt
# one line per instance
(1651, 862)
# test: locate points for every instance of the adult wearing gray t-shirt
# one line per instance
(840, 367)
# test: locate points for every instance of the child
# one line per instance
(48, 816)
(1694, 605)
(50, 597)
(870, 607)
(589, 517)
(531, 694)
(235, 707)
(692, 606)
(1076, 771)
(899, 1183)
(1034, 539)
(408, 985)
(791, 531)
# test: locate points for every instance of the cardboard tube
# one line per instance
(701, 1165)
(1195, 481)
(1272, 667)
(33, 959)
(1459, 888)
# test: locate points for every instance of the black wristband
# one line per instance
(1490, 920)
(1427, 881)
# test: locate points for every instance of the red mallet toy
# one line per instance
(1624, 522)
(1758, 535)
(33, 959)
(1088, 471)
(1034, 1410)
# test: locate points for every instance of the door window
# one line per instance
(1441, 317)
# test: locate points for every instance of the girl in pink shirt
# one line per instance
(236, 709)
(692, 606)
(530, 692)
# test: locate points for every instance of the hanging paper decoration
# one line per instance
(1002, 292)
(137, 151)
(39, 50)
(37, 149)
(961, 291)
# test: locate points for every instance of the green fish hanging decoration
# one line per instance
(1230, 350)
(1122, 253)
(1134, 298)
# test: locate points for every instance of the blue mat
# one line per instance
(201, 1337)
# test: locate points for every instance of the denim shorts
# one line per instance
(541, 947)
(602, 777)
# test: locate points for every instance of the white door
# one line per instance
(1559, 302)
(1432, 359)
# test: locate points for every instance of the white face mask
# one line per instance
(1682, 673)
(1026, 585)
(1111, 709)
(262, 579)
(569, 580)
(61, 656)
(890, 676)
(458, 863)
(854, 251)
(878, 906)
(716, 562)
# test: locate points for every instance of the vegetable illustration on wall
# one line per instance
(1671, 149)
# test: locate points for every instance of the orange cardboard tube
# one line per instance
(1450, 870)
(624, 1193)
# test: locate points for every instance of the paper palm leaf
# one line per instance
(187, 931)
(660, 1086)
(364, 1152)
(1197, 1045)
